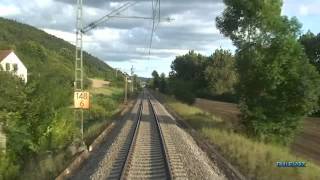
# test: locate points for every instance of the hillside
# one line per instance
(39, 50)
(37, 117)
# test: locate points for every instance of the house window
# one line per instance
(15, 67)
(7, 67)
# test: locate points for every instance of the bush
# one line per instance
(8, 170)
(63, 129)
(97, 112)
(182, 90)
(226, 97)
(284, 89)
(185, 96)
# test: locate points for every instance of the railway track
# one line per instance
(147, 156)
(147, 144)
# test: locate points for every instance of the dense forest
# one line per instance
(273, 74)
(36, 116)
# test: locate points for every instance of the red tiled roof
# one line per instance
(4, 54)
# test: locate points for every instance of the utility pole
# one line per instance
(78, 74)
(132, 79)
(80, 30)
(126, 90)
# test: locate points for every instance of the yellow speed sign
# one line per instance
(81, 100)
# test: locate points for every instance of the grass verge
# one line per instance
(105, 103)
(256, 160)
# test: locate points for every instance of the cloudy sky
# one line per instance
(124, 42)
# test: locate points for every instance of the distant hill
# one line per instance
(44, 52)
(144, 79)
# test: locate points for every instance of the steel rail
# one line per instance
(126, 166)
(133, 141)
(162, 141)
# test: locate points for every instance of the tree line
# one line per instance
(195, 75)
(273, 74)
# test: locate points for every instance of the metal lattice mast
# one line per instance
(81, 30)
(78, 83)
(78, 73)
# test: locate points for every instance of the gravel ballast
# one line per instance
(186, 159)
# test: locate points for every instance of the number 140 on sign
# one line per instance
(81, 100)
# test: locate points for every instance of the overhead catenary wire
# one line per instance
(81, 30)
(116, 13)
(107, 17)
(156, 18)
(155, 4)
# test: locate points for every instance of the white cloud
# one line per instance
(303, 10)
(126, 41)
(107, 34)
(310, 9)
(67, 36)
(207, 28)
(167, 51)
(91, 11)
(8, 10)
(44, 3)
(144, 67)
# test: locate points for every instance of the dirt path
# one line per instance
(306, 144)
(97, 83)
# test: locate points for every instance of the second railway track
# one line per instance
(147, 157)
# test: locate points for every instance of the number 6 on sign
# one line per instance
(81, 100)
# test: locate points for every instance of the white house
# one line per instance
(10, 62)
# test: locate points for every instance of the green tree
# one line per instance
(277, 85)
(187, 78)
(190, 67)
(221, 73)
(163, 83)
(137, 82)
(156, 79)
(311, 45)
(13, 101)
(182, 90)
(47, 93)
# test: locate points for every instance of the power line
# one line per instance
(156, 11)
(107, 17)
(78, 83)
